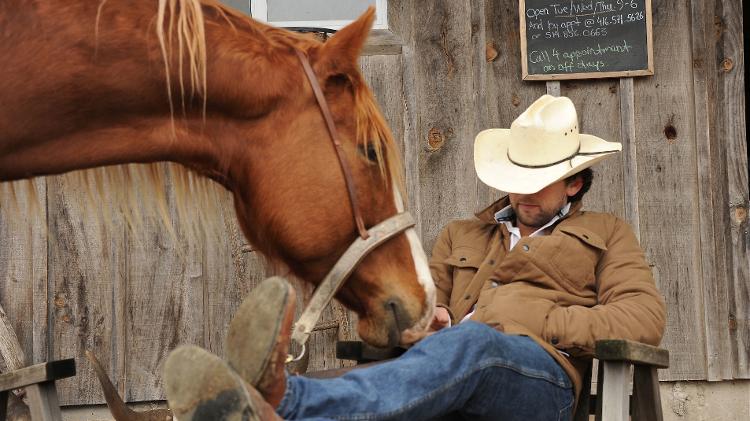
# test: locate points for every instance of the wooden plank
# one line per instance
(731, 131)
(85, 259)
(164, 298)
(445, 95)
(23, 264)
(40, 296)
(669, 220)
(399, 18)
(712, 191)
(629, 155)
(597, 104)
(481, 59)
(322, 350)
(38, 373)
(615, 396)
(583, 406)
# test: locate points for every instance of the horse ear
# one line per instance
(340, 53)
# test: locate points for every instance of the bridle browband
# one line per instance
(366, 242)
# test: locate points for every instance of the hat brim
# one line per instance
(495, 169)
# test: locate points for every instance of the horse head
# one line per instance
(293, 203)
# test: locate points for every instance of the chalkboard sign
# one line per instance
(580, 39)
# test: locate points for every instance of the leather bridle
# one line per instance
(365, 243)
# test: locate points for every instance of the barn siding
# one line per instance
(681, 181)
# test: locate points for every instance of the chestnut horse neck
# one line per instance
(367, 241)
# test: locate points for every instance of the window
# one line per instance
(333, 14)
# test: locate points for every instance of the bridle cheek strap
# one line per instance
(336, 142)
(367, 241)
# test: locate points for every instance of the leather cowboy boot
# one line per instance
(201, 386)
(257, 343)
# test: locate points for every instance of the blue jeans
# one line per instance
(470, 368)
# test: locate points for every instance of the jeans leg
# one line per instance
(470, 368)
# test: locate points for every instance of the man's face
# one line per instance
(535, 210)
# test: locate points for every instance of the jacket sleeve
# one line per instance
(442, 273)
(629, 305)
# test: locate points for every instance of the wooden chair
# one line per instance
(616, 356)
(615, 359)
(39, 383)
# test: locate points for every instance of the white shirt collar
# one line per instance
(506, 214)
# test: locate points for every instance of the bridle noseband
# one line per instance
(367, 240)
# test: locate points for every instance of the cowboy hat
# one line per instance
(541, 147)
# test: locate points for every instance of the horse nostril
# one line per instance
(394, 329)
(401, 318)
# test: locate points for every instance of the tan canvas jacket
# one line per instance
(587, 280)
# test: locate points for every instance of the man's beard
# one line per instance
(538, 220)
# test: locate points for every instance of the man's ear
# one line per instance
(340, 53)
(573, 186)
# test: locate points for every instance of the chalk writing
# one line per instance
(579, 36)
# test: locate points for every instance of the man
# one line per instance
(528, 287)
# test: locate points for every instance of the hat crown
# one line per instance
(545, 134)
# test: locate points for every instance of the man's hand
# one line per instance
(442, 319)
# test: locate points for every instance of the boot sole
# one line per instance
(201, 386)
(254, 331)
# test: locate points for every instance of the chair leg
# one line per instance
(646, 398)
(584, 401)
(615, 396)
(43, 402)
(599, 390)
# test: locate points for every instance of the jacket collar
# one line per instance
(488, 214)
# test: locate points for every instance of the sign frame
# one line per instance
(648, 71)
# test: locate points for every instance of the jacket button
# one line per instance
(555, 340)
(467, 297)
(525, 247)
(492, 262)
(463, 259)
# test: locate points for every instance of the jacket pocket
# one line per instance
(578, 255)
(465, 262)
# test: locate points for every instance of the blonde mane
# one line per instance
(170, 192)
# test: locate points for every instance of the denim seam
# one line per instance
(566, 410)
(494, 363)
(527, 373)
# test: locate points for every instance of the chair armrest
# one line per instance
(633, 352)
(39, 373)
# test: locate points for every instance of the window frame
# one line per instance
(259, 11)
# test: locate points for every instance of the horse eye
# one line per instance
(369, 151)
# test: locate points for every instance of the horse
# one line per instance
(221, 96)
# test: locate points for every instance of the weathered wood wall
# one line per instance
(681, 181)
